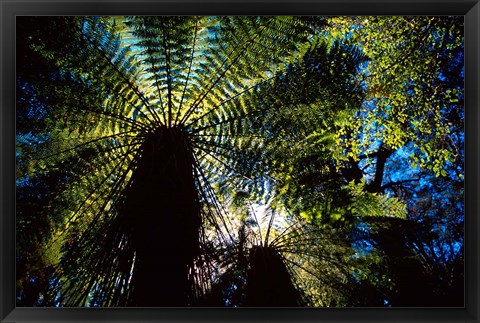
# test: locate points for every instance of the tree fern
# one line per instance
(139, 115)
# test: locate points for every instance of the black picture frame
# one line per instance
(9, 9)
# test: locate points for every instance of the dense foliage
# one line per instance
(240, 161)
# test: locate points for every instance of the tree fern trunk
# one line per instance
(268, 280)
(162, 215)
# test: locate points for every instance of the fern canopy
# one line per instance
(179, 161)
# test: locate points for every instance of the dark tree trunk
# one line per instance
(382, 155)
(268, 280)
(162, 216)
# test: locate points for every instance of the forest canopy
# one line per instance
(234, 161)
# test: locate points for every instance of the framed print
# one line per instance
(211, 161)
